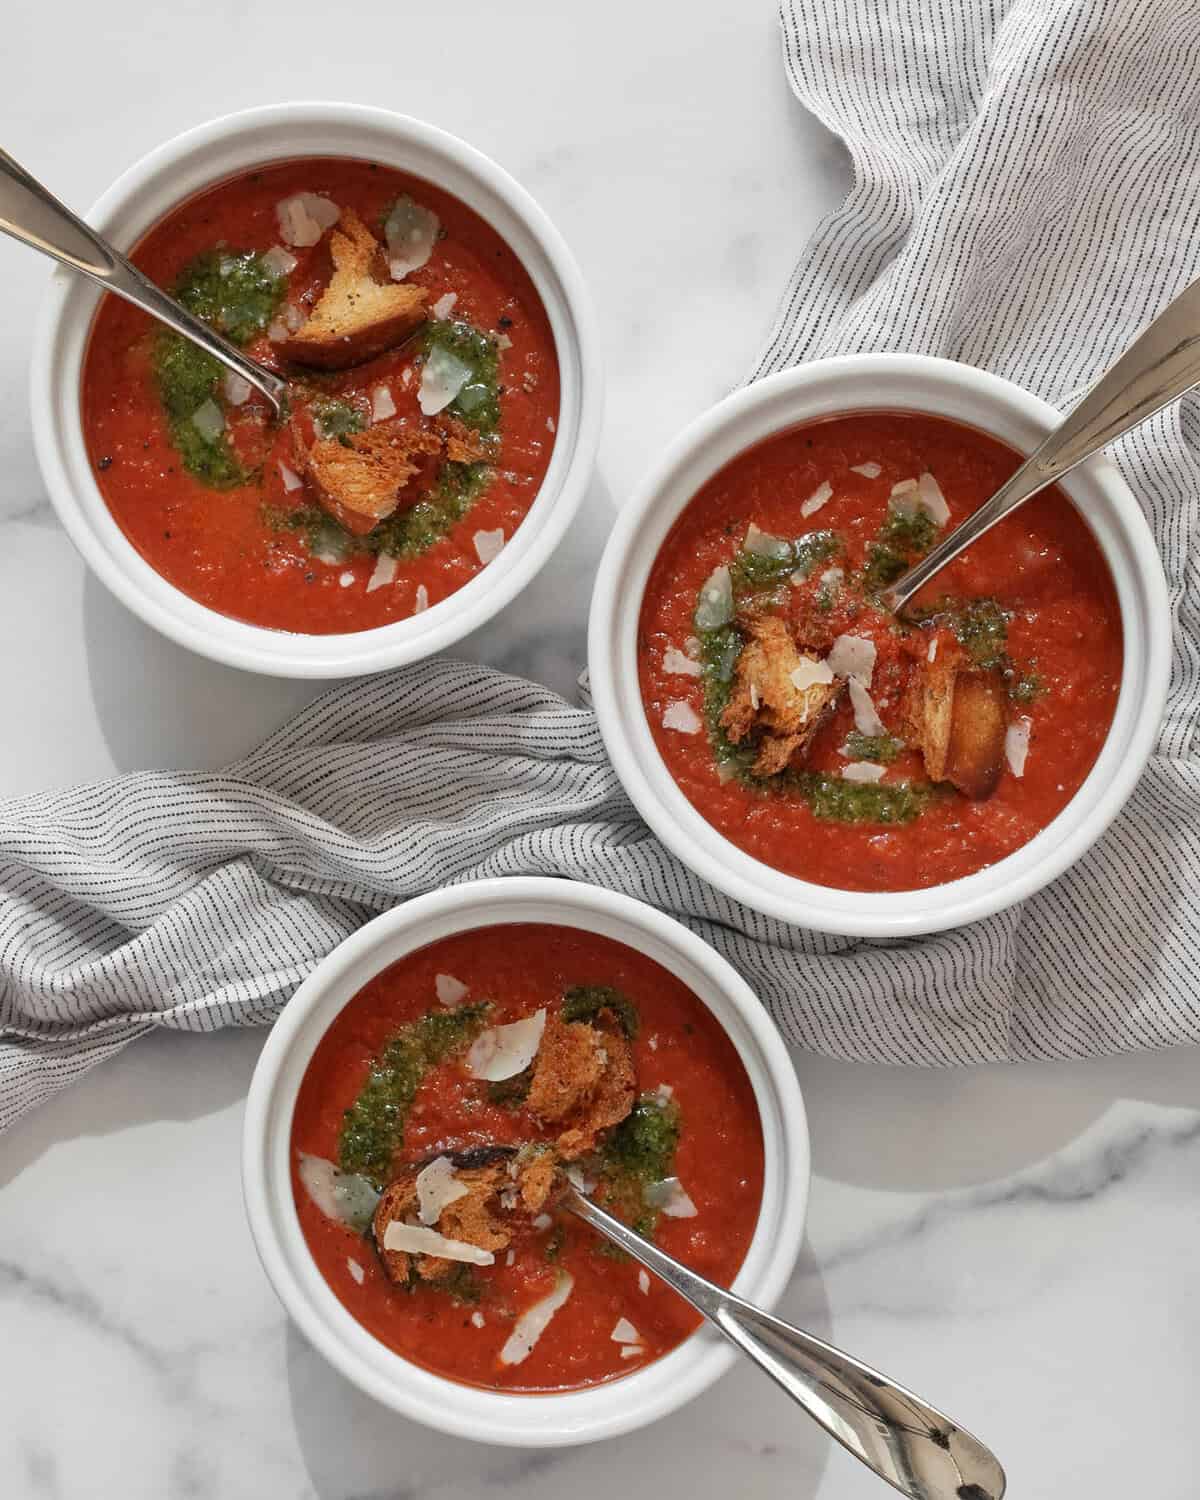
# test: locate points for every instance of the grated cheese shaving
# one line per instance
(502, 1052)
(291, 480)
(681, 717)
(437, 1186)
(644, 1283)
(382, 404)
(416, 1239)
(355, 1270)
(676, 661)
(625, 1333)
(862, 770)
(534, 1321)
(819, 497)
(868, 471)
(422, 600)
(1016, 745)
(443, 376)
(811, 673)
(444, 305)
(853, 656)
(383, 573)
(671, 1199)
(305, 217)
(235, 388)
(931, 500)
(866, 718)
(450, 991)
(488, 545)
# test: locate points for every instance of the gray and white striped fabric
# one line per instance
(1026, 195)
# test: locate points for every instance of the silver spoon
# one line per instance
(35, 217)
(911, 1444)
(1158, 367)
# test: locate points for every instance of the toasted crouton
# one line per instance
(570, 1060)
(360, 479)
(463, 444)
(357, 316)
(765, 698)
(612, 1099)
(956, 714)
(537, 1180)
(583, 1080)
(470, 1218)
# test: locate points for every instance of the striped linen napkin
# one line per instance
(1026, 196)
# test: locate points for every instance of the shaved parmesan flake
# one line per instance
(502, 1052)
(1016, 745)
(511, 1258)
(207, 420)
(931, 654)
(931, 499)
(819, 496)
(411, 232)
(406, 376)
(291, 480)
(288, 320)
(578, 1179)
(415, 1239)
(488, 545)
(278, 261)
(503, 341)
(355, 1270)
(478, 1320)
(543, 1221)
(382, 404)
(810, 673)
(670, 1198)
(550, 424)
(763, 544)
(450, 991)
(905, 487)
(833, 578)
(346, 579)
(341, 1196)
(383, 574)
(631, 1351)
(682, 717)
(443, 307)
(853, 656)
(437, 1186)
(422, 600)
(868, 471)
(443, 375)
(235, 388)
(663, 1095)
(625, 1333)
(305, 217)
(716, 601)
(676, 661)
(534, 1321)
(862, 770)
(866, 719)
(644, 1283)
(725, 773)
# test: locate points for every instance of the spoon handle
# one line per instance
(912, 1445)
(35, 217)
(1158, 367)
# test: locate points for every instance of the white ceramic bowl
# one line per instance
(521, 1420)
(195, 160)
(827, 388)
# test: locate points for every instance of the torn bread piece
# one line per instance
(956, 714)
(357, 316)
(583, 1080)
(766, 697)
(360, 479)
(470, 1218)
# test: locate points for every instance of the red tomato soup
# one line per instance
(571, 1052)
(831, 741)
(424, 396)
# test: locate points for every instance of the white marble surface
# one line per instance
(1018, 1244)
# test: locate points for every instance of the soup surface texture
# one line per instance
(826, 738)
(413, 449)
(620, 1075)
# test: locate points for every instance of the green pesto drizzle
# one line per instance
(237, 294)
(584, 1002)
(372, 1132)
(638, 1152)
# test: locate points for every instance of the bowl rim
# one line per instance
(518, 1419)
(64, 323)
(809, 392)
